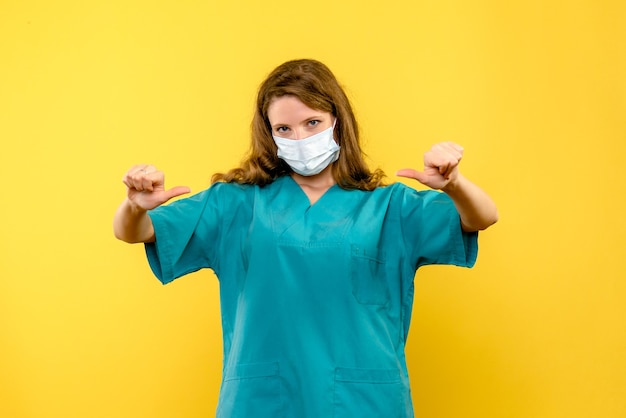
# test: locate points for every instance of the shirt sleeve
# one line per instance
(432, 230)
(187, 235)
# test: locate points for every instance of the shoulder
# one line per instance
(218, 194)
(236, 190)
(401, 190)
(404, 197)
(227, 189)
(234, 193)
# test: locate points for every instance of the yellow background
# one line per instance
(534, 90)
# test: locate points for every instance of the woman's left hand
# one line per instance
(441, 166)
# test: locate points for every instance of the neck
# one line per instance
(324, 180)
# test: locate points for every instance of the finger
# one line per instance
(128, 176)
(412, 174)
(407, 172)
(139, 169)
(133, 181)
(449, 171)
(147, 183)
(142, 177)
(445, 152)
(148, 169)
(452, 149)
(443, 168)
(448, 168)
(150, 179)
(176, 191)
(138, 181)
(444, 157)
(438, 161)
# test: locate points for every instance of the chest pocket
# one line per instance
(368, 275)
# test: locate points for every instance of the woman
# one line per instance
(315, 257)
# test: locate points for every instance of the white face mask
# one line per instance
(309, 156)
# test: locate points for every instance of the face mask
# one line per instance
(309, 156)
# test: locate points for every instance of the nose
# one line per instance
(298, 134)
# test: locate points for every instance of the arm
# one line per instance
(145, 188)
(132, 223)
(476, 208)
(441, 171)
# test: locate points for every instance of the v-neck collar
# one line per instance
(305, 196)
(295, 222)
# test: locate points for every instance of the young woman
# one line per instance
(315, 256)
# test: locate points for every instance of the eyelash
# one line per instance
(313, 122)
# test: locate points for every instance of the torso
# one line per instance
(316, 289)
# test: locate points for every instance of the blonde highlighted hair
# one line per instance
(314, 85)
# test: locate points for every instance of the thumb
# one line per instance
(176, 191)
(412, 174)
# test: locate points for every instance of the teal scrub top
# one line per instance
(316, 299)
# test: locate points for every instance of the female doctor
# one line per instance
(315, 255)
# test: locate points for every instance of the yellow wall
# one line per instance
(535, 90)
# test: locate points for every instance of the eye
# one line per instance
(282, 129)
(314, 122)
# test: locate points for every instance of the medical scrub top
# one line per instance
(315, 299)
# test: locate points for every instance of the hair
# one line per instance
(315, 85)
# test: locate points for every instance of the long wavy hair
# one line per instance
(315, 85)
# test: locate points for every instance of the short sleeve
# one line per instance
(432, 230)
(187, 235)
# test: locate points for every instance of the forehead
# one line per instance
(290, 109)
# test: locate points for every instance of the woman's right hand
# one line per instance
(146, 187)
